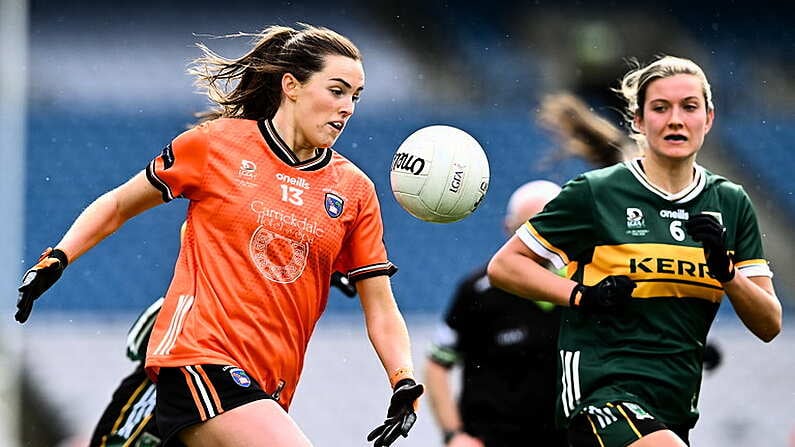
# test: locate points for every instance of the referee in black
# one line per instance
(507, 347)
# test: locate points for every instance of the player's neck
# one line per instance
(288, 133)
(670, 176)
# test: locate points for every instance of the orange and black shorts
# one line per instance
(615, 424)
(188, 395)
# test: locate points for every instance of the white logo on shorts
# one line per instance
(637, 410)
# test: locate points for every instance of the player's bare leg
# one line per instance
(259, 423)
(662, 438)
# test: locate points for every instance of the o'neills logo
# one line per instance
(678, 214)
(408, 162)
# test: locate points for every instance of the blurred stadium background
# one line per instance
(90, 91)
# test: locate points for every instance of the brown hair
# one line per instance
(250, 86)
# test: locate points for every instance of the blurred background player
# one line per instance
(128, 420)
(507, 346)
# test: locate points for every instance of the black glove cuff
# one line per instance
(578, 289)
(60, 256)
(409, 382)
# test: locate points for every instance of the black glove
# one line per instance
(609, 293)
(400, 416)
(706, 229)
(342, 282)
(38, 279)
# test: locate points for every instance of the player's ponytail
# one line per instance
(582, 132)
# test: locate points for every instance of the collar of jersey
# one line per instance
(689, 193)
(285, 154)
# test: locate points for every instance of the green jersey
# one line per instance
(614, 221)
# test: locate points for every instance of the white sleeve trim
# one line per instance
(756, 270)
(532, 243)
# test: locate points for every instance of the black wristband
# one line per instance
(402, 382)
(60, 256)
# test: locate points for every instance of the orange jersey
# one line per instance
(264, 233)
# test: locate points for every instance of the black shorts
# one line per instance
(523, 438)
(189, 395)
(615, 424)
(129, 417)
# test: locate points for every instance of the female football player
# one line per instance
(652, 245)
(273, 212)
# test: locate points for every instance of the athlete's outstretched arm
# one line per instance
(390, 338)
(107, 213)
(754, 299)
(386, 327)
(104, 216)
(518, 270)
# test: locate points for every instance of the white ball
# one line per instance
(439, 174)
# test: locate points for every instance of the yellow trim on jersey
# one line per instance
(660, 270)
(674, 289)
(748, 262)
(546, 244)
(571, 268)
(595, 433)
(629, 421)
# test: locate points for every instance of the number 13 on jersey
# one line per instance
(292, 194)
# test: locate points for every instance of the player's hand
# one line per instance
(706, 229)
(38, 279)
(342, 282)
(400, 416)
(609, 293)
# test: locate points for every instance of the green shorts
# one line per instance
(614, 424)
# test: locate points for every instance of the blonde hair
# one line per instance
(636, 82)
(250, 86)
